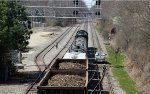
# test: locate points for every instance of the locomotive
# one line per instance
(78, 49)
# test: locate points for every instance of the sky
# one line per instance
(88, 2)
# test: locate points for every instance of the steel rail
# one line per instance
(42, 52)
(92, 35)
(65, 46)
(85, 27)
(94, 42)
(46, 68)
(99, 45)
(40, 69)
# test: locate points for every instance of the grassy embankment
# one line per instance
(118, 70)
(116, 61)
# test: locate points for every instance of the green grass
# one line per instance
(98, 28)
(125, 81)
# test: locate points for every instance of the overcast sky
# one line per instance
(88, 2)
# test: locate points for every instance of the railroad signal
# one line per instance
(75, 12)
(76, 2)
(98, 2)
(97, 13)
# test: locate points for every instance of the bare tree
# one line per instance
(132, 20)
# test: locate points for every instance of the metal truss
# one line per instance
(62, 9)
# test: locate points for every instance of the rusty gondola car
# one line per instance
(44, 88)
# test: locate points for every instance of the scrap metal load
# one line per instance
(66, 76)
(79, 47)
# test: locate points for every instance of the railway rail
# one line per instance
(92, 38)
(106, 68)
(97, 74)
(94, 85)
(39, 59)
(96, 41)
(85, 25)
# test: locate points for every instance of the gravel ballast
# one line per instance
(59, 80)
(71, 65)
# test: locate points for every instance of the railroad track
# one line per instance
(107, 75)
(85, 25)
(39, 59)
(93, 38)
(32, 88)
(90, 39)
(67, 46)
(95, 75)
(103, 70)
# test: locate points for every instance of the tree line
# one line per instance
(14, 29)
(14, 26)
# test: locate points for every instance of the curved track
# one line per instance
(39, 59)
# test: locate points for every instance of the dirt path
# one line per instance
(39, 40)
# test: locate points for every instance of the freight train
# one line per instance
(68, 75)
(78, 49)
(71, 74)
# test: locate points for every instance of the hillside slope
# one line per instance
(131, 20)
